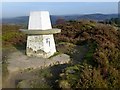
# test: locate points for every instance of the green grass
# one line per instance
(9, 35)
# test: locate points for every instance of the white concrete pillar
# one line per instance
(40, 45)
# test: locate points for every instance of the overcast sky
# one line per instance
(15, 9)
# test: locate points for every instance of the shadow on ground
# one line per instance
(76, 52)
(55, 70)
(36, 78)
(21, 47)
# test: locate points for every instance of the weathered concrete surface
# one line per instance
(40, 32)
(19, 61)
(40, 20)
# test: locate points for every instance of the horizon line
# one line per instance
(64, 15)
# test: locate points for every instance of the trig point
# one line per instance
(40, 40)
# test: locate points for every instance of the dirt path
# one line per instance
(19, 61)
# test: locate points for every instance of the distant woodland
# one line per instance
(100, 66)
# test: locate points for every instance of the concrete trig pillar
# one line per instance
(40, 40)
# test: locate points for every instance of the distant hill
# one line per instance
(24, 19)
(16, 20)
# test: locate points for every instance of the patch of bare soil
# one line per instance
(19, 61)
(22, 69)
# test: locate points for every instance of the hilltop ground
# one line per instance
(93, 48)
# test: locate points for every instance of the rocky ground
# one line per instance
(22, 69)
(19, 61)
